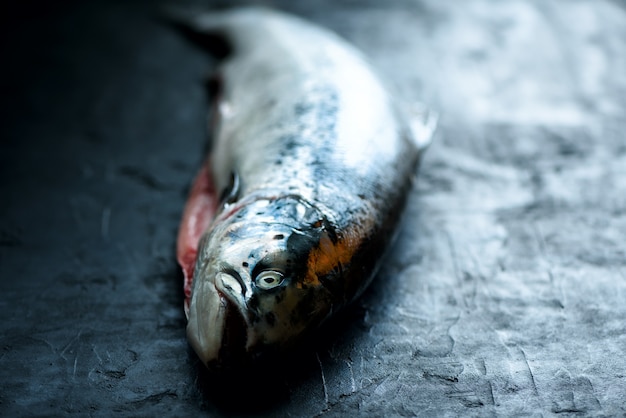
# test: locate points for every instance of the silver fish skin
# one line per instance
(314, 164)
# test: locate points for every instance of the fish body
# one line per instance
(310, 169)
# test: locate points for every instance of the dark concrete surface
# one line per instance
(505, 295)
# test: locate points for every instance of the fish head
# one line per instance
(266, 274)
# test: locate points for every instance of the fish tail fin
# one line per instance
(208, 29)
(219, 30)
(197, 20)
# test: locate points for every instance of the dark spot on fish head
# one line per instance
(278, 298)
(279, 236)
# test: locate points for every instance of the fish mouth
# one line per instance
(207, 313)
(233, 351)
(217, 329)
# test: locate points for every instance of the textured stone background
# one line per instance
(505, 295)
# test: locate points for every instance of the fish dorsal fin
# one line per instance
(422, 122)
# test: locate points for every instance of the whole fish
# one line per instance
(310, 169)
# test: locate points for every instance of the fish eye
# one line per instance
(269, 279)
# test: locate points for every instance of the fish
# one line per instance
(300, 197)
